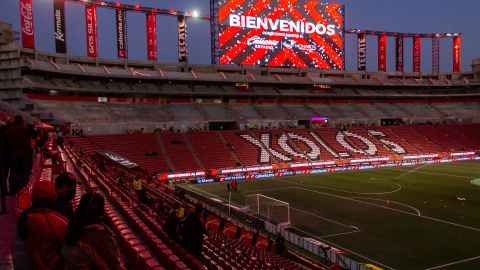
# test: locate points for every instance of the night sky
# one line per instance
(425, 16)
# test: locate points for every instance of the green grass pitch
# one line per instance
(423, 217)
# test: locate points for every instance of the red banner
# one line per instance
(26, 19)
(362, 51)
(417, 44)
(399, 53)
(91, 24)
(457, 53)
(151, 37)
(382, 52)
(121, 16)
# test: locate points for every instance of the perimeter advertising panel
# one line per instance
(298, 33)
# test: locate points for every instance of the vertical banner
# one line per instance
(382, 52)
(182, 39)
(60, 33)
(26, 21)
(399, 53)
(362, 51)
(417, 44)
(435, 54)
(121, 16)
(151, 37)
(91, 25)
(457, 53)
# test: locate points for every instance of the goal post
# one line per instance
(270, 209)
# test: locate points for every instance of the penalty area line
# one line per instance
(342, 248)
(453, 263)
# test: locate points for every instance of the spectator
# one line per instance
(193, 229)
(42, 229)
(119, 180)
(234, 186)
(18, 142)
(137, 185)
(280, 244)
(89, 243)
(172, 225)
(66, 187)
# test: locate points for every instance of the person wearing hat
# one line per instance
(66, 188)
(43, 229)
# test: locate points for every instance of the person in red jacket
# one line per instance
(43, 229)
(89, 243)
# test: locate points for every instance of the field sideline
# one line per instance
(422, 217)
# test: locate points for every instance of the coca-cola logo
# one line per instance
(27, 15)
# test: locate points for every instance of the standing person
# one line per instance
(280, 244)
(137, 185)
(193, 229)
(89, 243)
(228, 187)
(66, 188)
(172, 225)
(235, 186)
(19, 151)
(42, 229)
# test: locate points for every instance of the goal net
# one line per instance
(269, 209)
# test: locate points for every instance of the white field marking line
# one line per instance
(337, 234)
(453, 263)
(296, 209)
(374, 199)
(393, 209)
(315, 215)
(446, 174)
(410, 171)
(342, 248)
(399, 187)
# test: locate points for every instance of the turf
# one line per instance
(407, 217)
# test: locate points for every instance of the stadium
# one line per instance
(288, 159)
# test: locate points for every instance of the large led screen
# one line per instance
(298, 33)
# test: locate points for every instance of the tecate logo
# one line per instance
(27, 14)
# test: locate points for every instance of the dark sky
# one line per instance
(426, 16)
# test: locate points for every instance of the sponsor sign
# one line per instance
(121, 18)
(182, 39)
(417, 43)
(151, 37)
(118, 159)
(399, 54)
(300, 33)
(26, 21)
(457, 51)
(362, 51)
(382, 52)
(59, 25)
(91, 25)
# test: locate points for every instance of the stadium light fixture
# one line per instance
(195, 14)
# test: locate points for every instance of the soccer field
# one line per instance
(423, 217)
